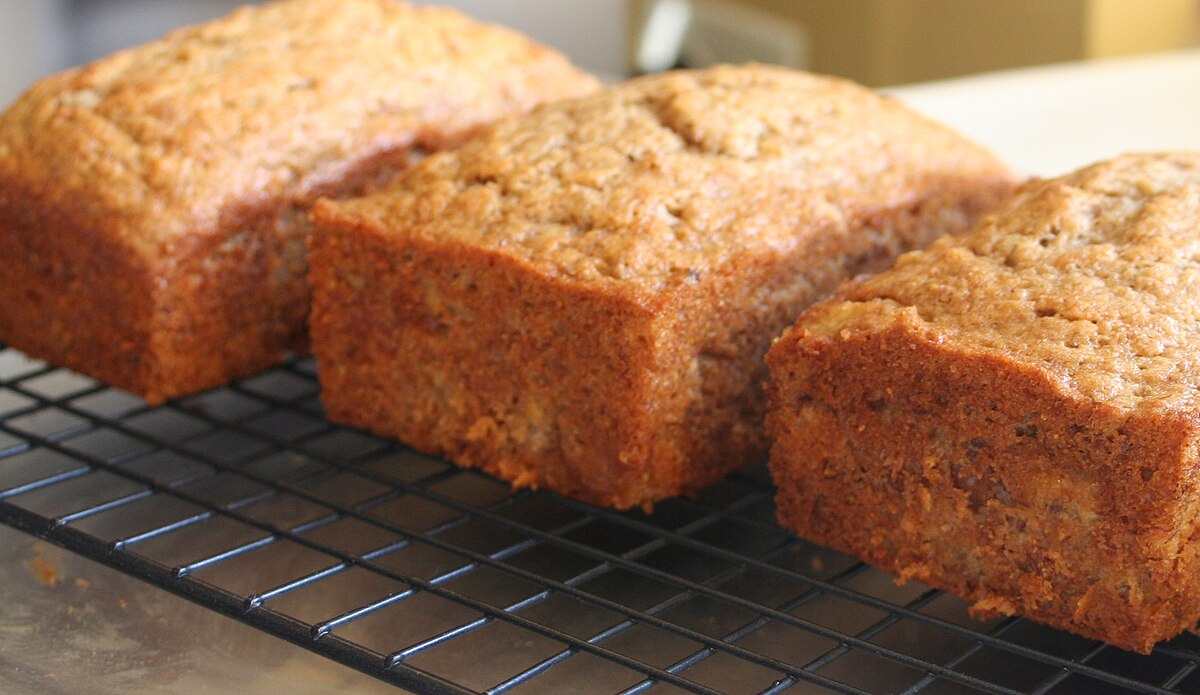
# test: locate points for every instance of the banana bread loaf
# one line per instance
(1013, 415)
(153, 205)
(580, 298)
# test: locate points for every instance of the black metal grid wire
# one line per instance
(247, 501)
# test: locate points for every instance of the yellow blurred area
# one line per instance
(889, 42)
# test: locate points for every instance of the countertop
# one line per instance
(1048, 120)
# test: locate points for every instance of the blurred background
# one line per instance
(892, 42)
(877, 42)
(42, 36)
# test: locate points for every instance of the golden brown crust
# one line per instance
(1009, 415)
(194, 157)
(580, 298)
(649, 184)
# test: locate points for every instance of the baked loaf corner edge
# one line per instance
(1011, 415)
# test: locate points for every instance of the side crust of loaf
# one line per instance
(466, 353)
(979, 477)
(222, 304)
(68, 307)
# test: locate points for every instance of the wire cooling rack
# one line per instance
(247, 501)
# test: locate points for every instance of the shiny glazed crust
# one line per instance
(153, 204)
(579, 299)
(1011, 415)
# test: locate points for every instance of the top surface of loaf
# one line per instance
(276, 97)
(659, 179)
(1093, 278)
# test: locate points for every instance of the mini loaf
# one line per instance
(153, 205)
(1014, 415)
(580, 299)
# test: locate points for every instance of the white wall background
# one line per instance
(593, 32)
(38, 37)
(30, 43)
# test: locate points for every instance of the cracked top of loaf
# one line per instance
(1092, 279)
(282, 98)
(656, 181)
